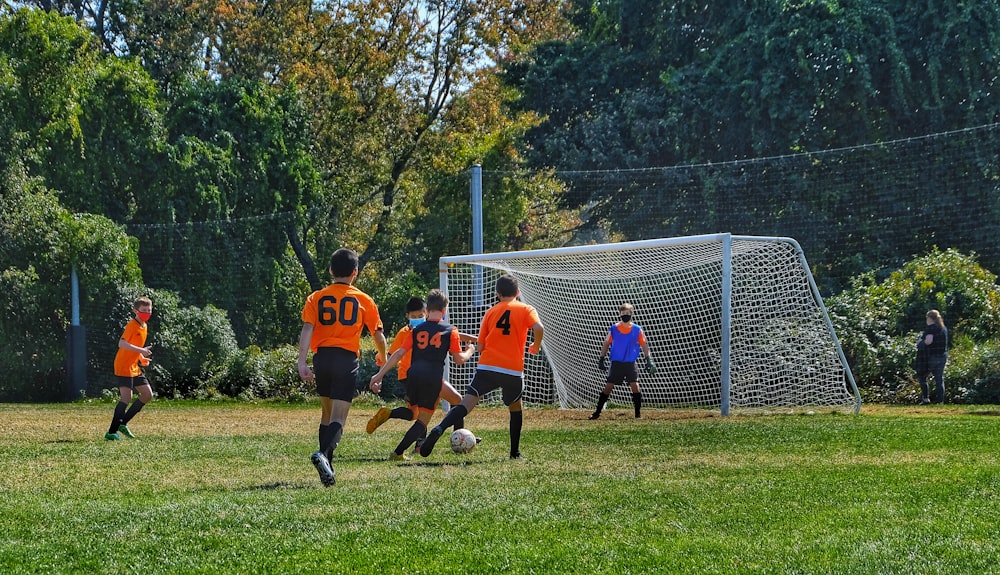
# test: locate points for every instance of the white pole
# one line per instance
(727, 296)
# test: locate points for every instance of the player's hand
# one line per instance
(379, 359)
(602, 363)
(534, 348)
(146, 351)
(650, 366)
(306, 373)
(376, 384)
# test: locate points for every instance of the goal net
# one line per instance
(733, 322)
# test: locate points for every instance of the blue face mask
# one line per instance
(414, 322)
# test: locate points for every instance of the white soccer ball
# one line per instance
(463, 441)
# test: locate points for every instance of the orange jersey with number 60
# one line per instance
(502, 336)
(339, 313)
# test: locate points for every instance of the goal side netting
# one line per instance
(733, 322)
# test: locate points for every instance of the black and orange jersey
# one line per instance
(502, 336)
(428, 347)
(404, 362)
(126, 360)
(339, 313)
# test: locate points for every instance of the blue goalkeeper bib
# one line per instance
(625, 346)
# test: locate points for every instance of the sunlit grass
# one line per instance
(228, 488)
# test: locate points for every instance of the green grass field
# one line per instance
(229, 489)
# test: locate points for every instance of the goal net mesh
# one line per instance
(783, 352)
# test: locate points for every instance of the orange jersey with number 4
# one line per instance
(503, 334)
(339, 313)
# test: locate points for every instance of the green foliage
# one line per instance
(878, 321)
(190, 345)
(41, 244)
(253, 373)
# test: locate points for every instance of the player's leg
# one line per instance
(451, 395)
(605, 395)
(425, 398)
(481, 385)
(636, 398)
(512, 391)
(124, 398)
(145, 392)
(336, 372)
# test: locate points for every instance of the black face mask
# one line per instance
(626, 318)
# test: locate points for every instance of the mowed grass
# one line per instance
(229, 489)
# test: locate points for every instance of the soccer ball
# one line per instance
(463, 441)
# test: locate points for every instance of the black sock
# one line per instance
(415, 432)
(401, 413)
(601, 400)
(117, 418)
(637, 402)
(333, 444)
(136, 407)
(516, 421)
(328, 437)
(460, 424)
(455, 415)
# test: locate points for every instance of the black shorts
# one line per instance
(132, 382)
(623, 372)
(486, 381)
(423, 394)
(336, 371)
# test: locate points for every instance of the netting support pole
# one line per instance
(727, 293)
(476, 191)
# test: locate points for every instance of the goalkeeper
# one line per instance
(625, 340)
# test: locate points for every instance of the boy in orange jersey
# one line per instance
(502, 336)
(132, 352)
(415, 315)
(625, 340)
(332, 321)
(429, 345)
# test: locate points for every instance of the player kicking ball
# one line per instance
(502, 337)
(429, 344)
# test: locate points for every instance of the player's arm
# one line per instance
(376, 382)
(460, 357)
(538, 330)
(467, 337)
(305, 338)
(380, 346)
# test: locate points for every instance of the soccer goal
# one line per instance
(734, 322)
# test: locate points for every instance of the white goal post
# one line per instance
(734, 322)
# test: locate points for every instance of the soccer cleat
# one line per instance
(322, 465)
(594, 415)
(124, 430)
(428, 445)
(398, 457)
(516, 455)
(380, 417)
(479, 440)
(111, 437)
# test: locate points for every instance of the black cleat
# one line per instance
(326, 475)
(428, 445)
